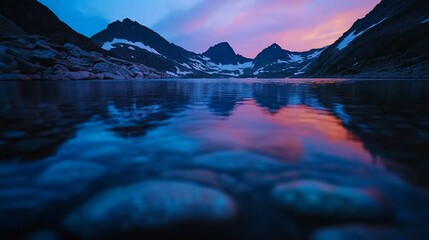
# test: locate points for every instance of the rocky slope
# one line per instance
(29, 57)
(35, 44)
(391, 41)
(134, 42)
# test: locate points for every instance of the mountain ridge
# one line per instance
(135, 42)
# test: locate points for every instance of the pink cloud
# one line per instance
(252, 25)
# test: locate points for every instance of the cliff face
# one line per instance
(391, 41)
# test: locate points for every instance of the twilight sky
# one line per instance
(248, 25)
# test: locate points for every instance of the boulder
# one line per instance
(359, 233)
(108, 75)
(236, 161)
(45, 57)
(40, 44)
(80, 75)
(67, 172)
(25, 66)
(146, 206)
(325, 201)
(103, 67)
(14, 76)
(75, 50)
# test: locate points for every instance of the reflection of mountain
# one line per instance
(36, 118)
(392, 120)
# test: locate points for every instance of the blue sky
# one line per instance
(248, 25)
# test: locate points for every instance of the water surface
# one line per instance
(63, 143)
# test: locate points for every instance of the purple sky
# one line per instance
(248, 25)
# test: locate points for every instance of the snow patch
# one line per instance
(426, 21)
(110, 45)
(353, 35)
(295, 58)
(172, 74)
(131, 48)
(302, 70)
(315, 54)
(185, 65)
(181, 73)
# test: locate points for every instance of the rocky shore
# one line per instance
(28, 57)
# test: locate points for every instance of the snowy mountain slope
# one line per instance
(277, 62)
(391, 41)
(134, 42)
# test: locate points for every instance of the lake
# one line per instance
(214, 159)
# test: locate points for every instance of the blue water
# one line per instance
(259, 158)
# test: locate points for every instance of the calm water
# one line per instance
(188, 158)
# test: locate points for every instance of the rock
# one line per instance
(44, 57)
(108, 75)
(125, 72)
(27, 67)
(196, 175)
(81, 75)
(321, 200)
(19, 43)
(237, 161)
(95, 55)
(148, 205)
(75, 50)
(102, 67)
(40, 44)
(358, 233)
(13, 76)
(32, 57)
(67, 172)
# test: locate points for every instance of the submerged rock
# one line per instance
(358, 233)
(67, 172)
(237, 161)
(321, 200)
(148, 205)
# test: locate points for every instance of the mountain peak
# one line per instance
(128, 20)
(275, 45)
(221, 53)
(224, 47)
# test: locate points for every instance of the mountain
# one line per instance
(277, 62)
(36, 19)
(223, 53)
(134, 42)
(35, 44)
(391, 41)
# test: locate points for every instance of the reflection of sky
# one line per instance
(249, 25)
(296, 133)
(293, 133)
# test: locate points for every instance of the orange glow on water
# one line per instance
(297, 133)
